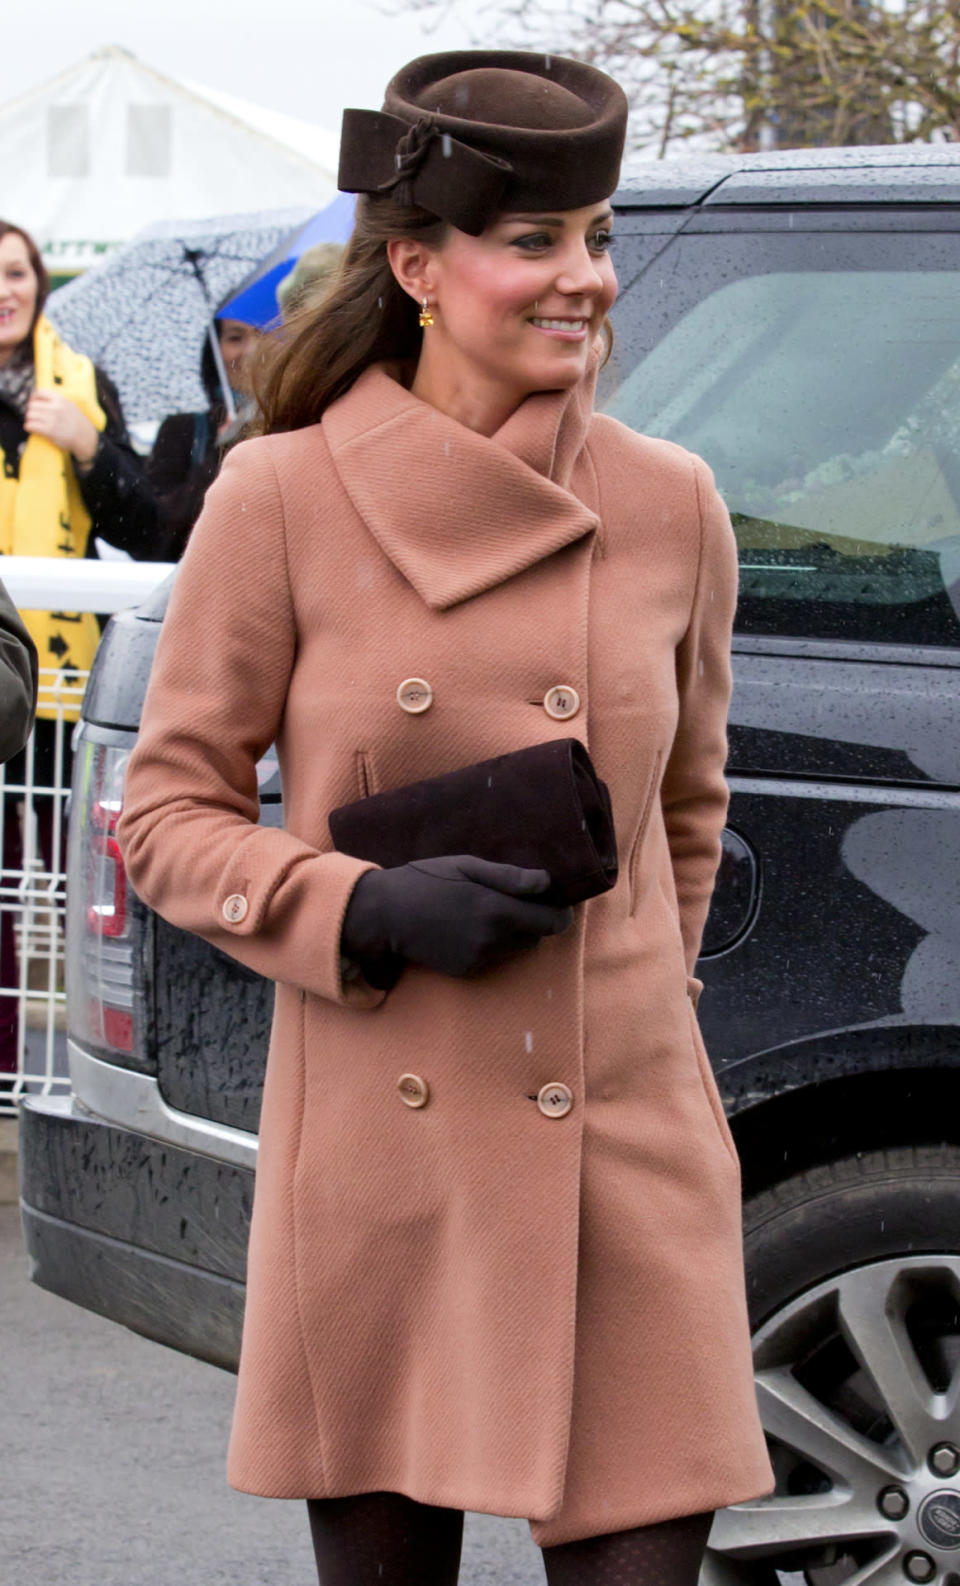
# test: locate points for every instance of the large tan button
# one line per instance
(561, 701)
(415, 695)
(235, 908)
(555, 1100)
(414, 1091)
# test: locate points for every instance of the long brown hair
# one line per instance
(36, 264)
(364, 317)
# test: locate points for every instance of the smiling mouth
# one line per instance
(571, 325)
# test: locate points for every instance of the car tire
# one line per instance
(853, 1281)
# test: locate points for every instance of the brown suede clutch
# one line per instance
(543, 808)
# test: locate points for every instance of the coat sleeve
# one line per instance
(18, 679)
(188, 832)
(694, 792)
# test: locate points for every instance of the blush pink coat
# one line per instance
(471, 1302)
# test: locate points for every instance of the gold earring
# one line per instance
(426, 315)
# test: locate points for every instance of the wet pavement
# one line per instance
(112, 1464)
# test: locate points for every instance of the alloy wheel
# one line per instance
(858, 1384)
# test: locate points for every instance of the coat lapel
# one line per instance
(457, 512)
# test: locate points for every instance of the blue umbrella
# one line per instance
(255, 300)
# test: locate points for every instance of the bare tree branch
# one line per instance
(732, 74)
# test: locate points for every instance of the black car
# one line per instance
(796, 320)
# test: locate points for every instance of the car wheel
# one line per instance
(853, 1276)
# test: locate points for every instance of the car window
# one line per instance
(819, 375)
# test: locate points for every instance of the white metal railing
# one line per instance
(34, 791)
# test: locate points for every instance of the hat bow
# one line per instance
(426, 166)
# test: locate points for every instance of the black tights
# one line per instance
(384, 1539)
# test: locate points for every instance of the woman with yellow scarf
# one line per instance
(67, 475)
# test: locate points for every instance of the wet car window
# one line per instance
(819, 375)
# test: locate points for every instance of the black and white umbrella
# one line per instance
(144, 314)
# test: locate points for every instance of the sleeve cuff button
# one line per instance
(235, 908)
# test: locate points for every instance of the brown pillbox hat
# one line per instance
(468, 133)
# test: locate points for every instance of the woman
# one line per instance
(67, 475)
(495, 1257)
(69, 472)
(189, 446)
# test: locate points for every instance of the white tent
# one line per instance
(111, 146)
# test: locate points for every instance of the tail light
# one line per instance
(103, 927)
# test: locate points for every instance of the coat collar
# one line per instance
(458, 512)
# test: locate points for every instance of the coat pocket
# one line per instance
(710, 1087)
(633, 864)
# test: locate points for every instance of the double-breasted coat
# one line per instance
(477, 1302)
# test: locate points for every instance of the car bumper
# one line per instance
(142, 1232)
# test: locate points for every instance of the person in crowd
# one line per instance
(495, 1261)
(18, 679)
(312, 276)
(68, 474)
(189, 446)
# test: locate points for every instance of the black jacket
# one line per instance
(116, 491)
(179, 477)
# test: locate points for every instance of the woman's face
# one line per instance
(237, 343)
(18, 294)
(520, 306)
